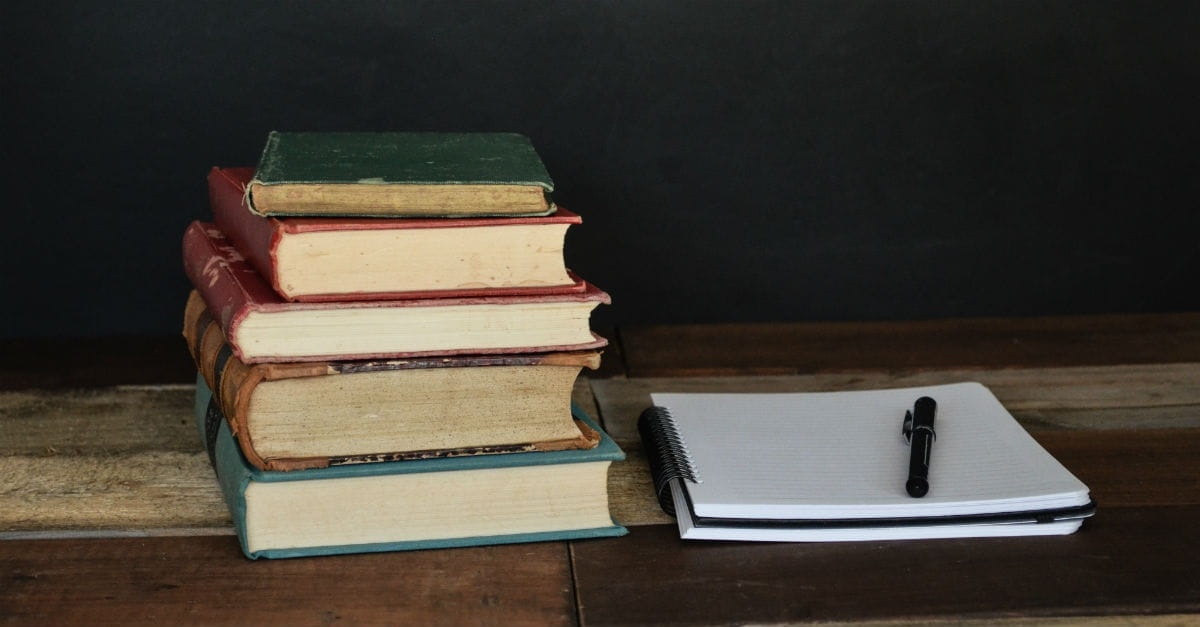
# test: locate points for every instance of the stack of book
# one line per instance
(387, 338)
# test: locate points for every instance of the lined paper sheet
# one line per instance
(840, 455)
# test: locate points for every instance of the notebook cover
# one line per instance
(234, 474)
(232, 289)
(257, 238)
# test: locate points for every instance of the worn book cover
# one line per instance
(410, 505)
(399, 175)
(346, 412)
(331, 259)
(261, 326)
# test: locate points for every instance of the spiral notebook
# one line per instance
(832, 467)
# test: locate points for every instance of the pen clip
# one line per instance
(906, 428)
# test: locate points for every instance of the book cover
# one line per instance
(394, 416)
(236, 476)
(515, 256)
(234, 293)
(400, 174)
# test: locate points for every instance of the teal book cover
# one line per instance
(236, 476)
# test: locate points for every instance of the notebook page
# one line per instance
(841, 455)
(688, 530)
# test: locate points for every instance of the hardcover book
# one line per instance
(262, 327)
(300, 415)
(407, 505)
(318, 259)
(399, 175)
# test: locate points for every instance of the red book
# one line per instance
(335, 259)
(260, 326)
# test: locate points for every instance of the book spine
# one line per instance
(229, 286)
(233, 475)
(222, 371)
(210, 274)
(254, 236)
(667, 454)
(265, 163)
(230, 380)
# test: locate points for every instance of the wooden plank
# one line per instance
(87, 362)
(145, 491)
(206, 581)
(1131, 468)
(631, 491)
(795, 348)
(1122, 468)
(98, 421)
(1095, 397)
(105, 461)
(1129, 561)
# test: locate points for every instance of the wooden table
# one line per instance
(109, 514)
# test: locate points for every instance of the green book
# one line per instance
(408, 505)
(400, 175)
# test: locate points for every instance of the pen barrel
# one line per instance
(921, 438)
(918, 463)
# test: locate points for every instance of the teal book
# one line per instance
(400, 175)
(409, 505)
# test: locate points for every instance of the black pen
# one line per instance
(918, 432)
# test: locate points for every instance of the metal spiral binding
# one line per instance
(667, 452)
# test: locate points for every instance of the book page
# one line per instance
(842, 455)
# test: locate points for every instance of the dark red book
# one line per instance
(335, 259)
(260, 326)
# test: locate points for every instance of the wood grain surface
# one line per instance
(207, 581)
(805, 347)
(1127, 561)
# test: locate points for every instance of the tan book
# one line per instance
(288, 416)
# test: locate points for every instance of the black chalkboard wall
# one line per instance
(733, 161)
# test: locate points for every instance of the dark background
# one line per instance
(733, 161)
